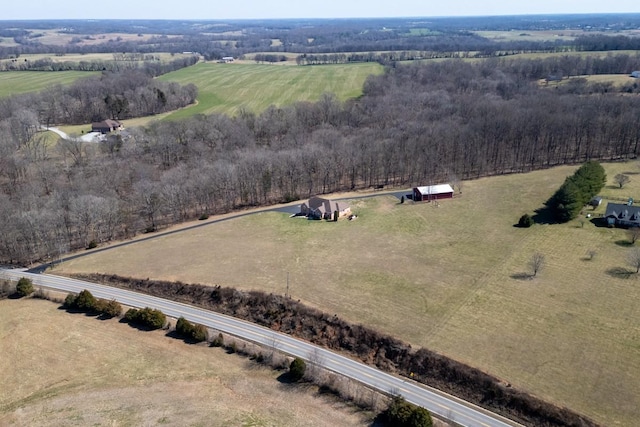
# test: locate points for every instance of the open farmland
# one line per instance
(547, 35)
(74, 370)
(526, 35)
(450, 278)
(226, 88)
(16, 82)
(88, 57)
(616, 80)
(58, 36)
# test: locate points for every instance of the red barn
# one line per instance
(432, 192)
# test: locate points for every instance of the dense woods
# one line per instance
(122, 95)
(416, 124)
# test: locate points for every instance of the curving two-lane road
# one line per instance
(439, 403)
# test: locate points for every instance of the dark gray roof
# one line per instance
(623, 212)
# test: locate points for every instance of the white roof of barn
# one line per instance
(435, 189)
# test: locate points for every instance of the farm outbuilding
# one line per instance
(595, 201)
(106, 126)
(432, 192)
(319, 208)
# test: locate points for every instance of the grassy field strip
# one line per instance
(16, 82)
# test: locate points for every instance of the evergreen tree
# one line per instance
(404, 414)
(85, 301)
(576, 191)
(297, 369)
(24, 287)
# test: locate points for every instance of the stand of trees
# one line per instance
(414, 125)
(401, 413)
(150, 318)
(576, 191)
(149, 64)
(122, 95)
(191, 332)
(85, 302)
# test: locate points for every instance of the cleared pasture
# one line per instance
(17, 82)
(453, 278)
(226, 88)
(597, 54)
(61, 37)
(76, 57)
(73, 370)
(547, 35)
(526, 35)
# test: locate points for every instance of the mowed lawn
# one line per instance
(451, 278)
(73, 370)
(16, 82)
(226, 88)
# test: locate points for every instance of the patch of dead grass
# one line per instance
(73, 370)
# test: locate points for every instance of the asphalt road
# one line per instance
(443, 405)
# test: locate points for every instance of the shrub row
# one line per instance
(87, 303)
(387, 353)
(188, 330)
(404, 414)
(147, 317)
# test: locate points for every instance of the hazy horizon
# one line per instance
(280, 9)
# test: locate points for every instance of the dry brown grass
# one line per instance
(72, 370)
(617, 80)
(448, 278)
(59, 37)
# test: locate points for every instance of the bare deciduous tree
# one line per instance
(634, 234)
(315, 366)
(633, 259)
(536, 263)
(621, 179)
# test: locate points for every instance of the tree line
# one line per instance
(122, 95)
(149, 63)
(414, 125)
(576, 191)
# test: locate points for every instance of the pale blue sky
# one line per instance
(251, 9)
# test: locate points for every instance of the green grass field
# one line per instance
(16, 82)
(226, 88)
(451, 278)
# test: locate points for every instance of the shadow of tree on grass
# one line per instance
(522, 276)
(544, 216)
(621, 273)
